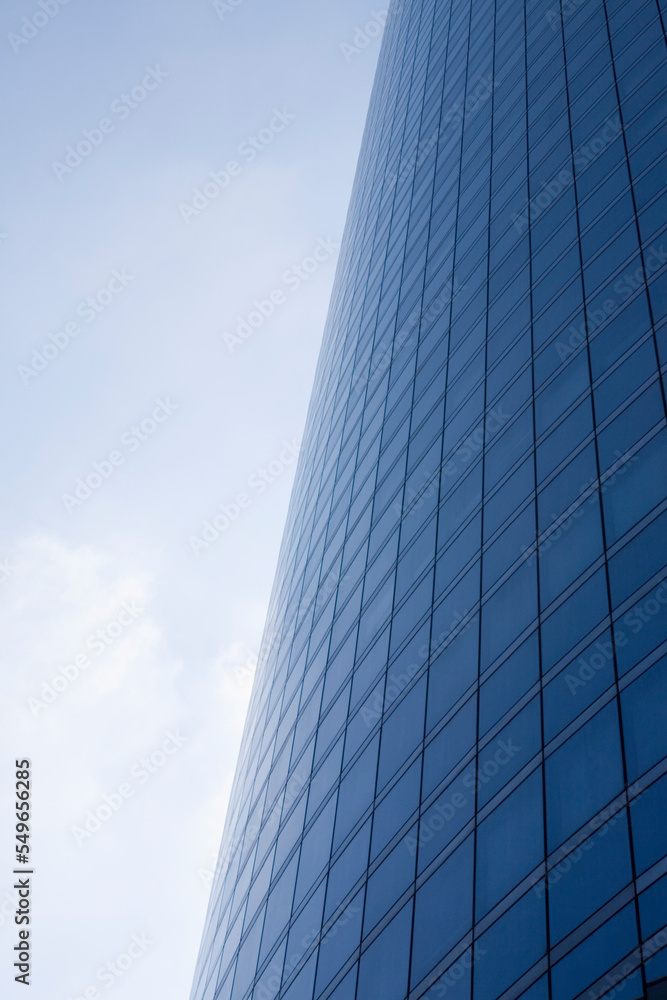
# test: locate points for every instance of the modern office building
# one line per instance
(453, 779)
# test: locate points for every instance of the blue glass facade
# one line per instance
(453, 779)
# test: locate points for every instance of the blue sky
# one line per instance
(137, 414)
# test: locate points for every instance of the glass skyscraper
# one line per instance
(453, 779)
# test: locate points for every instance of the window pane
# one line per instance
(402, 731)
(599, 952)
(339, 942)
(390, 880)
(644, 717)
(511, 945)
(349, 867)
(508, 612)
(578, 685)
(449, 746)
(510, 843)
(383, 969)
(638, 490)
(452, 672)
(653, 907)
(356, 792)
(445, 818)
(443, 911)
(507, 684)
(583, 775)
(587, 878)
(511, 750)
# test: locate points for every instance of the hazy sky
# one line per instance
(146, 394)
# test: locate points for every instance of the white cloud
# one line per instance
(131, 768)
